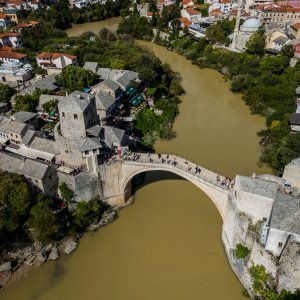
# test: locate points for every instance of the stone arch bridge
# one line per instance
(116, 175)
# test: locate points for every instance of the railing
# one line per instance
(173, 161)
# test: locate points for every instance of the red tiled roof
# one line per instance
(6, 48)
(23, 25)
(3, 16)
(9, 34)
(191, 11)
(225, 1)
(215, 11)
(54, 55)
(34, 22)
(185, 22)
(185, 2)
(12, 55)
(296, 26)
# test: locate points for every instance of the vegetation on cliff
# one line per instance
(27, 216)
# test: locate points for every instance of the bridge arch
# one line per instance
(217, 194)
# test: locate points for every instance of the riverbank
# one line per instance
(21, 262)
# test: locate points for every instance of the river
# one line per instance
(167, 246)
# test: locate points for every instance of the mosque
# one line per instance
(243, 33)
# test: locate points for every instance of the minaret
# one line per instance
(237, 26)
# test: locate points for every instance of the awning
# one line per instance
(64, 169)
(136, 100)
(31, 153)
(130, 90)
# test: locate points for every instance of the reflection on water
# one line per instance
(168, 244)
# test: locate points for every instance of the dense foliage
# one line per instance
(75, 78)
(27, 102)
(264, 286)
(241, 251)
(6, 92)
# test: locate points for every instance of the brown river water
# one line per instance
(167, 245)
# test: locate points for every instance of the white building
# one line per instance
(55, 60)
(15, 72)
(10, 56)
(191, 14)
(11, 39)
(224, 6)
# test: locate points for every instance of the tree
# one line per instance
(43, 222)
(75, 78)
(256, 43)
(86, 212)
(287, 51)
(6, 92)
(51, 105)
(66, 192)
(27, 102)
(15, 201)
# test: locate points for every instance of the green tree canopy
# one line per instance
(43, 223)
(75, 78)
(6, 92)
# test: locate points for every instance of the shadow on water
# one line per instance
(56, 273)
(146, 178)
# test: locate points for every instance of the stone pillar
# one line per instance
(112, 184)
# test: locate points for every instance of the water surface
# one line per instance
(167, 246)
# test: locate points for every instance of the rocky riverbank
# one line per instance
(17, 263)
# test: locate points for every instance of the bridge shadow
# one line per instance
(145, 178)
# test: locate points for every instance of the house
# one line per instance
(191, 14)
(40, 175)
(11, 39)
(55, 60)
(15, 72)
(275, 40)
(48, 83)
(233, 14)
(12, 14)
(280, 14)
(10, 56)
(26, 117)
(105, 104)
(185, 22)
(108, 87)
(5, 21)
(295, 30)
(224, 6)
(216, 13)
(186, 3)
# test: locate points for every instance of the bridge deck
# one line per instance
(166, 161)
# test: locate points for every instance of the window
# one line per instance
(95, 151)
(63, 114)
(86, 152)
(66, 151)
(280, 244)
(50, 177)
(75, 116)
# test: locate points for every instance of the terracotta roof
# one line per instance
(24, 25)
(44, 55)
(216, 11)
(191, 11)
(6, 48)
(15, 2)
(54, 55)
(3, 16)
(149, 13)
(9, 34)
(225, 1)
(185, 22)
(296, 26)
(12, 55)
(34, 22)
(285, 9)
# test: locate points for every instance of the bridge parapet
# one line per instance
(169, 162)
